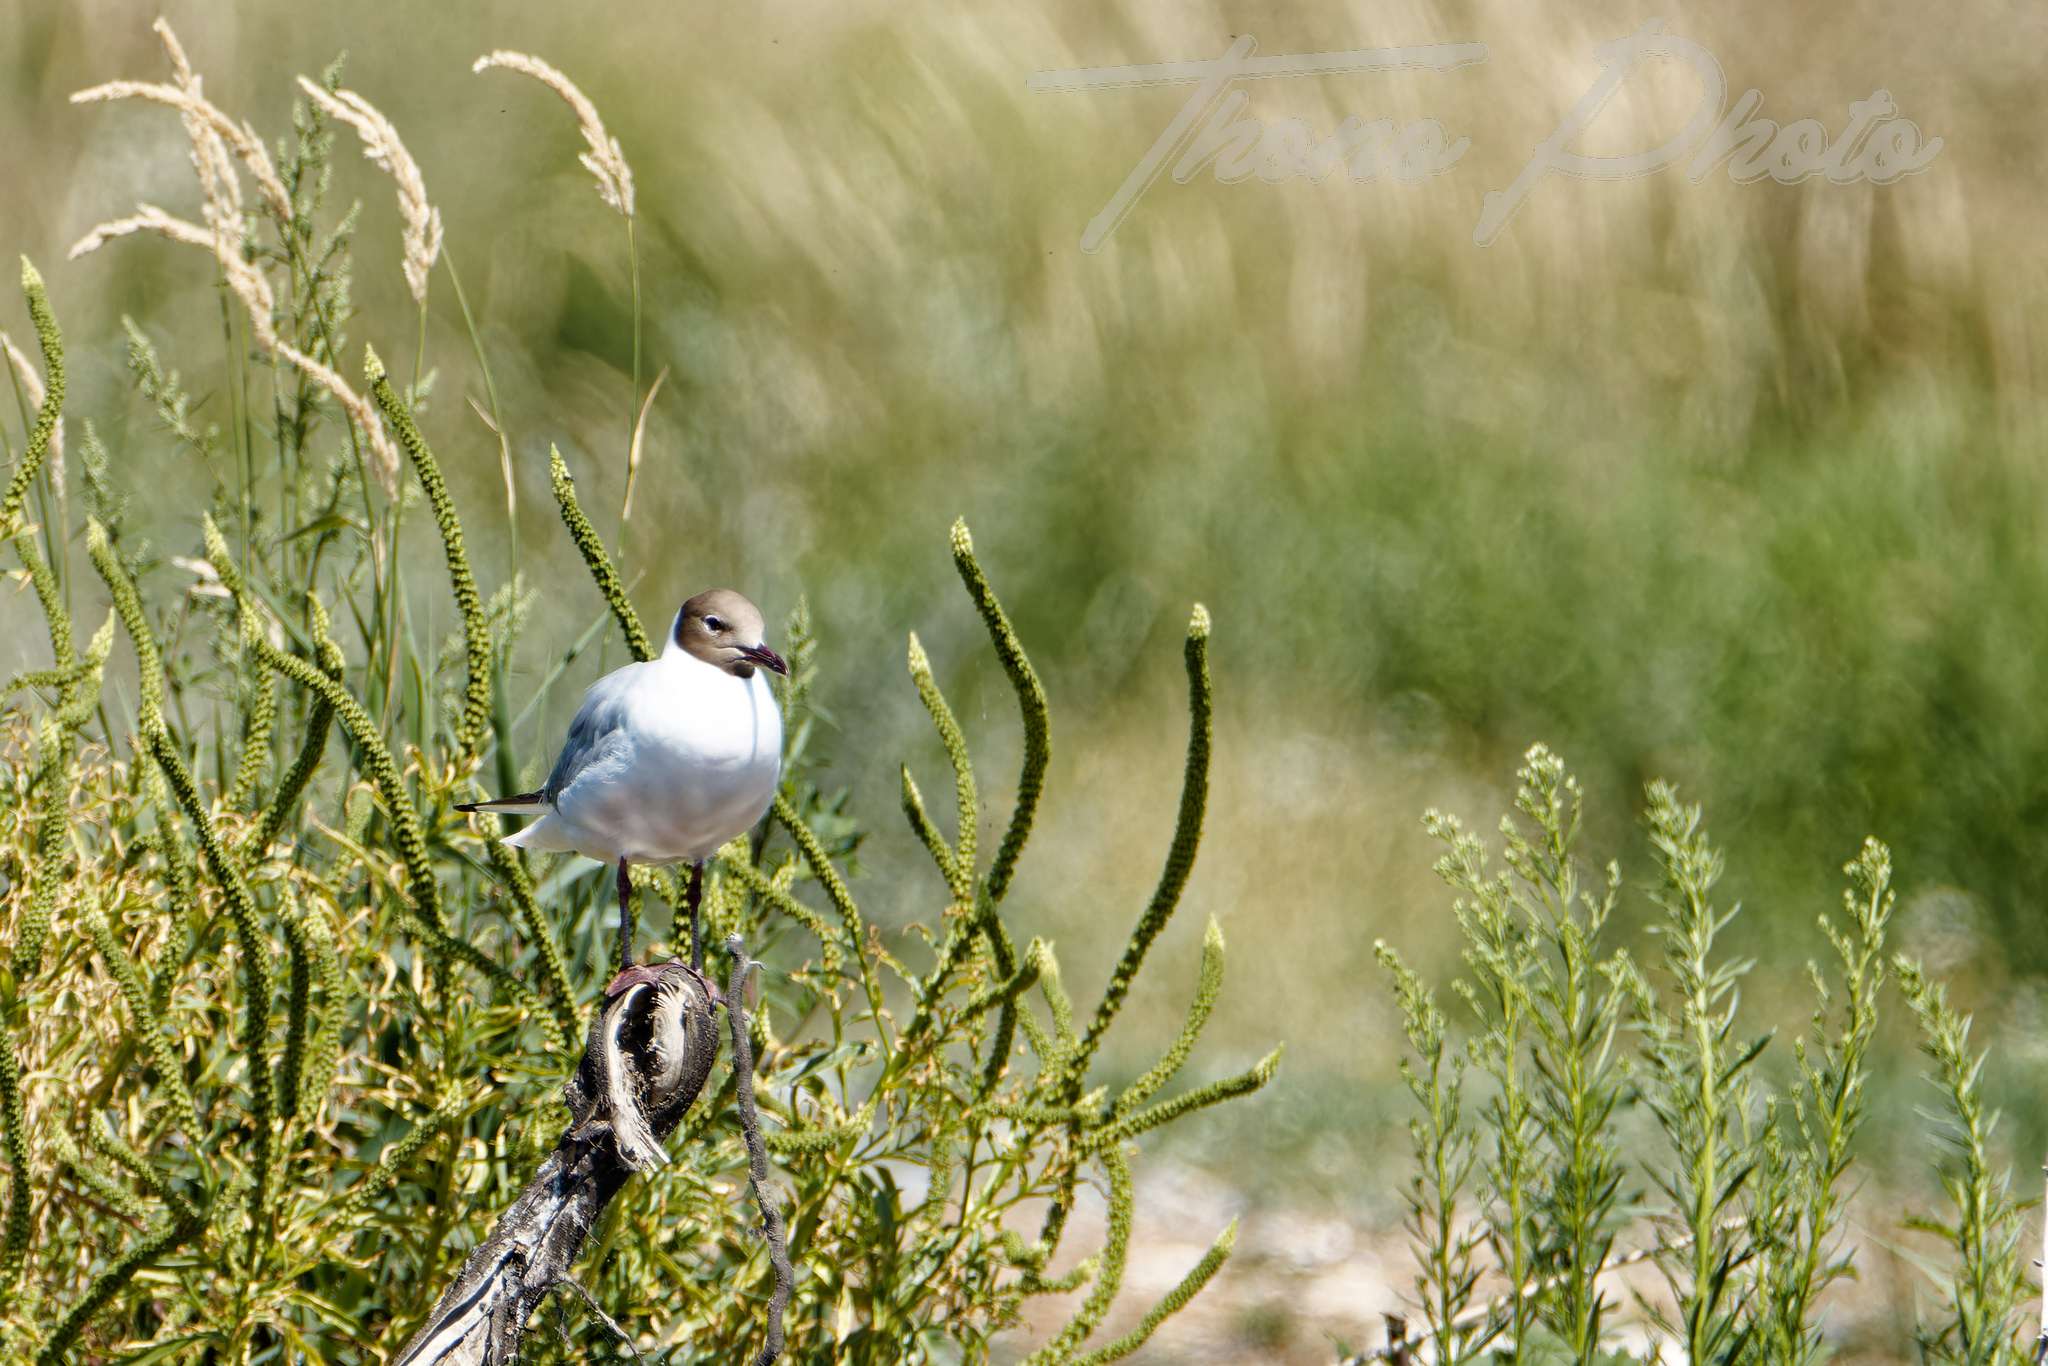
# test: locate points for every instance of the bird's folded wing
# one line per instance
(602, 715)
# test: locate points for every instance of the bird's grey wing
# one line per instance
(602, 714)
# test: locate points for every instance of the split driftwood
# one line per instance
(648, 1054)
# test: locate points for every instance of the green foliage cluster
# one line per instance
(281, 1032)
(1518, 1202)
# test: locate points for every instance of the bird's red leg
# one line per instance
(696, 896)
(625, 917)
(629, 975)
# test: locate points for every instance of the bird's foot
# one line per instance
(643, 973)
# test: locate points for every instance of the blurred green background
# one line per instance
(1736, 485)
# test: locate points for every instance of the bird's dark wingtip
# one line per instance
(516, 802)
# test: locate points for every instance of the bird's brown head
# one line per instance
(724, 630)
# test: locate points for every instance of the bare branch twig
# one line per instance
(757, 1151)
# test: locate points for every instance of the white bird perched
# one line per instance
(666, 760)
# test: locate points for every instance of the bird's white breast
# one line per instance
(695, 765)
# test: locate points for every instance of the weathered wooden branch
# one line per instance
(757, 1151)
(647, 1056)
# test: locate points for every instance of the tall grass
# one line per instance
(281, 1032)
(1766, 452)
(1521, 1205)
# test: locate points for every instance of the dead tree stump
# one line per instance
(647, 1056)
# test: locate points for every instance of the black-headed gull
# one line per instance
(666, 760)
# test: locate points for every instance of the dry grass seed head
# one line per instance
(382, 145)
(605, 159)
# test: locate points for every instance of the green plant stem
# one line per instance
(594, 556)
(1180, 857)
(633, 408)
(483, 365)
(476, 703)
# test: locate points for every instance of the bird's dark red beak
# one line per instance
(765, 657)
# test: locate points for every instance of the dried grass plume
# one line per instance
(605, 159)
(210, 128)
(214, 136)
(382, 146)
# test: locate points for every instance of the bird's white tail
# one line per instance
(541, 836)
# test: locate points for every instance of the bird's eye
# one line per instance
(713, 624)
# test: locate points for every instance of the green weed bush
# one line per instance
(281, 1032)
(1519, 1202)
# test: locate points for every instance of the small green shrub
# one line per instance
(1739, 1197)
(281, 1032)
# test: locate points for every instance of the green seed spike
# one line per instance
(383, 771)
(1208, 986)
(1074, 1117)
(810, 1142)
(300, 1020)
(1056, 1000)
(180, 885)
(1054, 1227)
(1111, 1278)
(723, 901)
(128, 604)
(800, 642)
(263, 709)
(170, 1067)
(476, 637)
(929, 836)
(842, 901)
(104, 1187)
(108, 1142)
(255, 953)
(323, 1050)
(1003, 993)
(449, 948)
(19, 1226)
(255, 745)
(1004, 955)
(593, 552)
(226, 870)
(50, 594)
(40, 436)
(1057, 1047)
(1083, 1272)
(46, 877)
(939, 1161)
(1020, 1254)
(77, 696)
(561, 997)
(1180, 857)
(961, 879)
(391, 1165)
(180, 875)
(291, 789)
(168, 1235)
(1030, 701)
(39, 678)
(779, 898)
(81, 692)
(1042, 1045)
(217, 555)
(1176, 1300)
(1243, 1084)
